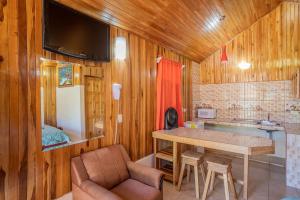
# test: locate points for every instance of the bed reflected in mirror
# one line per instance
(72, 103)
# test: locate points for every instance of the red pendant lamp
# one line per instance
(224, 58)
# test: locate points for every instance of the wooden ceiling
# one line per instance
(194, 28)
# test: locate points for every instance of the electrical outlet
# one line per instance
(120, 118)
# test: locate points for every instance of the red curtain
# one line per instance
(168, 90)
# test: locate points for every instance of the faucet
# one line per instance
(269, 116)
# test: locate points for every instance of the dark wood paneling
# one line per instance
(25, 171)
(271, 45)
(4, 108)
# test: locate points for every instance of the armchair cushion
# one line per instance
(106, 166)
(97, 192)
(146, 175)
(135, 190)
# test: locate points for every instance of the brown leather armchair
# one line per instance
(109, 174)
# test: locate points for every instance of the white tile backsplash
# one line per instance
(252, 100)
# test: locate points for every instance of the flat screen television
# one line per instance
(72, 33)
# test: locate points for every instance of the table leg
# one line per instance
(246, 170)
(175, 151)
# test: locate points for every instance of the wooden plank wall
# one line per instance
(94, 100)
(49, 82)
(25, 171)
(271, 45)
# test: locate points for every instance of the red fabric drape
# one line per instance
(168, 90)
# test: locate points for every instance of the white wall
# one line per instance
(147, 161)
(70, 110)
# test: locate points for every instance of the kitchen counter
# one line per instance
(289, 128)
(292, 128)
(291, 144)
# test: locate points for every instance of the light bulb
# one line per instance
(244, 65)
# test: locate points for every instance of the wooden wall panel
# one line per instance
(94, 105)
(4, 102)
(271, 45)
(49, 89)
(25, 171)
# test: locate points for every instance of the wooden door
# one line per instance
(94, 106)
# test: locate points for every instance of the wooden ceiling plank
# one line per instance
(102, 15)
(187, 26)
(123, 15)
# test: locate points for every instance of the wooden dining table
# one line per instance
(216, 140)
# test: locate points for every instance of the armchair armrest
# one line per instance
(146, 175)
(97, 192)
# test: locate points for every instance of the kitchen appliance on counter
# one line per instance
(207, 113)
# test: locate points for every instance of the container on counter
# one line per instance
(194, 124)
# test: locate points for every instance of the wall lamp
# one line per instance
(120, 48)
(244, 65)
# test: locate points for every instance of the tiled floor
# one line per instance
(266, 183)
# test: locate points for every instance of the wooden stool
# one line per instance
(222, 166)
(195, 159)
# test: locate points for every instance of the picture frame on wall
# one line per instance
(65, 75)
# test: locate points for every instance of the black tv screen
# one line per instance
(72, 33)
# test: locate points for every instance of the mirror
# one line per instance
(72, 103)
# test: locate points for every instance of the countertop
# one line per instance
(292, 128)
(289, 128)
(242, 143)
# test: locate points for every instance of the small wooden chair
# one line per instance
(222, 166)
(195, 159)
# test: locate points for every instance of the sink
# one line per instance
(269, 127)
(268, 123)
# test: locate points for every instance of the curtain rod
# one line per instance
(158, 59)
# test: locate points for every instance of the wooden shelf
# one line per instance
(167, 150)
(168, 172)
(164, 156)
(167, 155)
(168, 175)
